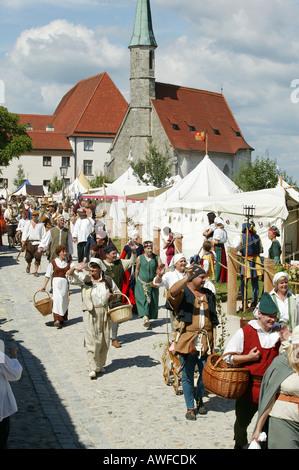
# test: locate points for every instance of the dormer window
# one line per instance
(192, 129)
(50, 128)
(29, 127)
(216, 131)
(175, 126)
(238, 134)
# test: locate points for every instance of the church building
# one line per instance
(184, 123)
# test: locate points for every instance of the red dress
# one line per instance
(128, 283)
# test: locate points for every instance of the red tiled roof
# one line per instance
(92, 108)
(49, 140)
(205, 111)
(37, 121)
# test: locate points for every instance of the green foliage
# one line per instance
(154, 168)
(55, 184)
(20, 178)
(99, 179)
(14, 140)
(259, 174)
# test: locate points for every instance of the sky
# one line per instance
(247, 49)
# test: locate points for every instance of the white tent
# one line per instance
(79, 186)
(127, 185)
(205, 180)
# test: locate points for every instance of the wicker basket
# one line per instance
(121, 313)
(223, 379)
(244, 321)
(44, 306)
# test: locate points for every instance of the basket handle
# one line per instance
(223, 355)
(250, 308)
(120, 293)
(40, 291)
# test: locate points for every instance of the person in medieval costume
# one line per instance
(56, 271)
(219, 239)
(279, 398)
(146, 294)
(250, 246)
(254, 347)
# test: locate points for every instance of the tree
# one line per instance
(55, 184)
(20, 178)
(14, 140)
(259, 174)
(98, 180)
(154, 168)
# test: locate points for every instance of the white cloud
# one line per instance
(63, 51)
(55, 57)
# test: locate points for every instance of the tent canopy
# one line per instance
(205, 180)
(27, 189)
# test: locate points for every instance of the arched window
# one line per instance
(226, 171)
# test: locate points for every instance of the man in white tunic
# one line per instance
(83, 228)
(33, 232)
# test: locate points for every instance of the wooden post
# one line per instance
(109, 227)
(156, 247)
(178, 242)
(232, 280)
(139, 230)
(123, 233)
(269, 265)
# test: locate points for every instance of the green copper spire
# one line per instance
(143, 34)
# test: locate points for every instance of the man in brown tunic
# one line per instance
(195, 308)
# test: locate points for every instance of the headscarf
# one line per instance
(99, 262)
(175, 259)
(218, 221)
(279, 275)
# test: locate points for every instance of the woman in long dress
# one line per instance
(56, 271)
(275, 247)
(219, 239)
(97, 291)
(129, 279)
(146, 295)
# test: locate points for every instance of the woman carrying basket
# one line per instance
(97, 291)
(56, 271)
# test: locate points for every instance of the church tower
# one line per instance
(142, 78)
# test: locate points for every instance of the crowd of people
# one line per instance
(109, 277)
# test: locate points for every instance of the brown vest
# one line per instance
(55, 233)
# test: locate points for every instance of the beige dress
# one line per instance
(97, 322)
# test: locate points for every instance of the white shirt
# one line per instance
(83, 228)
(10, 370)
(220, 235)
(47, 238)
(33, 233)
(236, 343)
(21, 225)
(169, 279)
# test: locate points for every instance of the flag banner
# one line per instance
(200, 136)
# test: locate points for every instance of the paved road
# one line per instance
(129, 407)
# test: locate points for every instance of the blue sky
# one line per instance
(248, 48)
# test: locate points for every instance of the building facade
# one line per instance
(77, 136)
